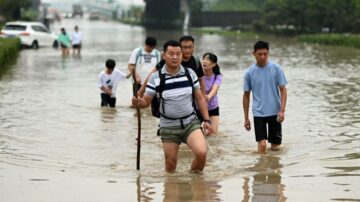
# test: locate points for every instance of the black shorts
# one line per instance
(107, 100)
(76, 46)
(214, 112)
(268, 128)
(63, 45)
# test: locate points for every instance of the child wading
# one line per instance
(108, 82)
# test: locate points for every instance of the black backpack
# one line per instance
(155, 103)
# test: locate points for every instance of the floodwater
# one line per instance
(57, 144)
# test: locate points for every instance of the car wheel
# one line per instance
(35, 45)
(55, 44)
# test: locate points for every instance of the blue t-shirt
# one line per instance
(264, 83)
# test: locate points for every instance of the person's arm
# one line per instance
(131, 67)
(142, 102)
(141, 91)
(202, 85)
(283, 99)
(213, 92)
(106, 90)
(246, 103)
(200, 100)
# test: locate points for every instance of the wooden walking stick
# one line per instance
(135, 89)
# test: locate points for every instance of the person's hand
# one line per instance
(140, 92)
(281, 116)
(247, 125)
(207, 128)
(135, 101)
(207, 98)
(109, 91)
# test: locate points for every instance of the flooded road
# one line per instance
(57, 144)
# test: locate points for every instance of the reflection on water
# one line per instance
(266, 182)
(195, 189)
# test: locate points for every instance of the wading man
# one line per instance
(178, 120)
(266, 80)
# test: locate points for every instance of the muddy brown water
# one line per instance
(57, 144)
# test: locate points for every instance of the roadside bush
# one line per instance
(351, 40)
(8, 50)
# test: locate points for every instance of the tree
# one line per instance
(11, 10)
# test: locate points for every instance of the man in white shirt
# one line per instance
(144, 59)
(76, 37)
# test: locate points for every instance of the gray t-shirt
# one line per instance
(177, 96)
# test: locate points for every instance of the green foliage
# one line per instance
(29, 15)
(350, 40)
(11, 9)
(8, 50)
(310, 16)
(236, 5)
(196, 5)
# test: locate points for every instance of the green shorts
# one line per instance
(177, 134)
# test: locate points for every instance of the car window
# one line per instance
(39, 29)
(15, 27)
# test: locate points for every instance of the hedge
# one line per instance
(351, 40)
(8, 50)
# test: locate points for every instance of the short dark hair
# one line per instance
(110, 63)
(171, 43)
(261, 45)
(150, 41)
(186, 38)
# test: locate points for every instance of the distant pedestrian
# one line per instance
(144, 59)
(213, 80)
(108, 82)
(65, 42)
(76, 38)
(266, 80)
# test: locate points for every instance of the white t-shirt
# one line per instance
(76, 38)
(110, 80)
(145, 62)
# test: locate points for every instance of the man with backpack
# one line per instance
(144, 59)
(178, 120)
(187, 43)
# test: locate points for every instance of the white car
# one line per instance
(31, 34)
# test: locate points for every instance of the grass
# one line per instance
(8, 52)
(350, 40)
(225, 32)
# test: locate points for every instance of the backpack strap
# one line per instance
(197, 62)
(157, 55)
(138, 54)
(161, 89)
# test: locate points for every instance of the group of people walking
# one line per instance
(70, 41)
(186, 88)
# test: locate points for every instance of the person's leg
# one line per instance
(262, 146)
(79, 49)
(171, 152)
(215, 123)
(197, 144)
(103, 100)
(260, 133)
(214, 118)
(112, 102)
(275, 133)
